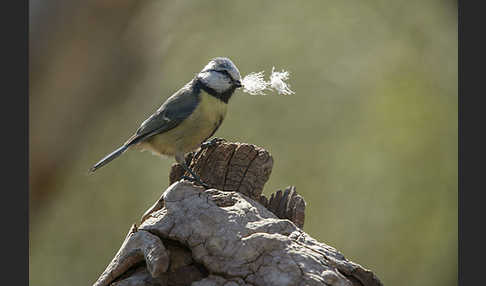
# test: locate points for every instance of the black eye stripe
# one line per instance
(225, 72)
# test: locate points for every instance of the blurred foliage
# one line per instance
(369, 139)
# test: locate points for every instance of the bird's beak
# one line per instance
(237, 83)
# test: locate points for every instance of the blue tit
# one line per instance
(187, 118)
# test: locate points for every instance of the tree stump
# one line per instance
(229, 234)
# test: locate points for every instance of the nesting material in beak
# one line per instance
(255, 84)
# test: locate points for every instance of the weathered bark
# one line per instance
(229, 234)
(243, 168)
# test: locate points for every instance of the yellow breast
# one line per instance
(191, 132)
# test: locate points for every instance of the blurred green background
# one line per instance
(369, 138)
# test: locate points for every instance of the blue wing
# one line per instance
(174, 110)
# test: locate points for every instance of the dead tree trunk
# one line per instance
(230, 234)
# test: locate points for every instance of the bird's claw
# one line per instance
(197, 181)
(212, 142)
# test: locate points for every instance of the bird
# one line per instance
(187, 118)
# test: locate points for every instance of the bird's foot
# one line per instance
(212, 142)
(197, 181)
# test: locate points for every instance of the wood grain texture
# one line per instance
(243, 168)
(229, 234)
(226, 166)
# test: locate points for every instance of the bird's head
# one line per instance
(221, 75)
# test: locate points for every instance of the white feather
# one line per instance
(255, 84)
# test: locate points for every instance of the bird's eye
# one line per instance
(225, 72)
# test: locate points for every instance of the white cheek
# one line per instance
(220, 86)
(216, 81)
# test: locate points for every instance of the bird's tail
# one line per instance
(107, 159)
